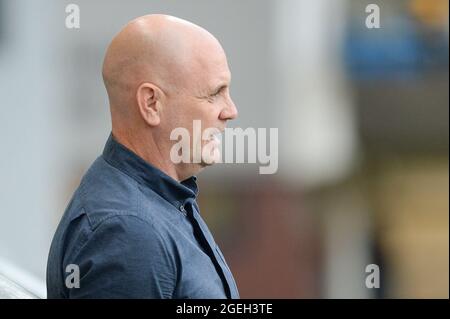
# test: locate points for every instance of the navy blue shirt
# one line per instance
(134, 232)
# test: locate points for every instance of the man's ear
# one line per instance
(148, 98)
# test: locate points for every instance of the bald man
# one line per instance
(133, 228)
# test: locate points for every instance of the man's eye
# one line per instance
(213, 96)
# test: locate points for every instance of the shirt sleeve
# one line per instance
(124, 257)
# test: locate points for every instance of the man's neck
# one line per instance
(149, 151)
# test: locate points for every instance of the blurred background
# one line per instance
(362, 116)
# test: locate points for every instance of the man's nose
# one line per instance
(230, 112)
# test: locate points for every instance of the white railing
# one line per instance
(18, 283)
(11, 290)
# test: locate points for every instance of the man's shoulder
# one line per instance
(105, 192)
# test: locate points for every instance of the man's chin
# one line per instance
(207, 162)
(211, 159)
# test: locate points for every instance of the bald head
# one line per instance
(161, 74)
(159, 49)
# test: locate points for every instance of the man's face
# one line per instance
(204, 98)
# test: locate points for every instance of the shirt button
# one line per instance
(182, 209)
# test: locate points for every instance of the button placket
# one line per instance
(210, 246)
(183, 210)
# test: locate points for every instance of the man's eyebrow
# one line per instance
(220, 87)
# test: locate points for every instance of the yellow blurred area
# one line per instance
(413, 226)
(431, 12)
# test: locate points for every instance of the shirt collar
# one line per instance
(146, 174)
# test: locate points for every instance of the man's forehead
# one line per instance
(218, 70)
(222, 79)
(211, 75)
(206, 65)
